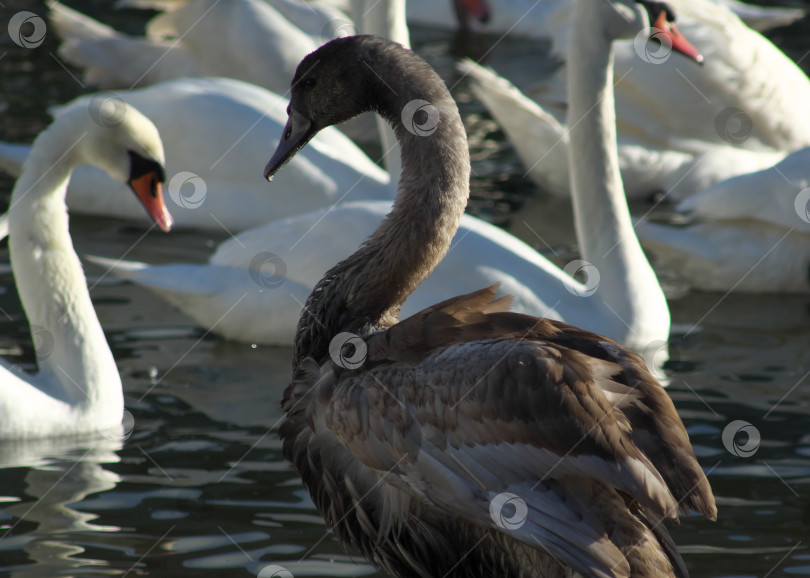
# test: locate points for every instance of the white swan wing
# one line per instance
(779, 194)
(667, 103)
(539, 139)
(764, 17)
(259, 305)
(743, 256)
(111, 59)
(726, 101)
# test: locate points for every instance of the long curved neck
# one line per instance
(73, 356)
(605, 231)
(366, 291)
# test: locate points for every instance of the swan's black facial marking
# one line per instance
(145, 179)
(140, 166)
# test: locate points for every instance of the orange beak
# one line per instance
(679, 43)
(149, 192)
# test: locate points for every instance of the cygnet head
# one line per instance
(339, 81)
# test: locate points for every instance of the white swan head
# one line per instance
(625, 19)
(120, 140)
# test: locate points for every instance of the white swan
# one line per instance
(77, 389)
(467, 440)
(255, 41)
(249, 40)
(535, 19)
(254, 285)
(213, 130)
(680, 128)
(750, 233)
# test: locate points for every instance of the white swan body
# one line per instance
(77, 389)
(537, 19)
(255, 42)
(213, 130)
(254, 285)
(681, 128)
(749, 233)
(541, 141)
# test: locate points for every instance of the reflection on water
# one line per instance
(199, 485)
(54, 474)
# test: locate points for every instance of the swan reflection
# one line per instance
(42, 481)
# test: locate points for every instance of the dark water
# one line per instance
(199, 486)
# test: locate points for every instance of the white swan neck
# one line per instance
(72, 354)
(386, 19)
(605, 231)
